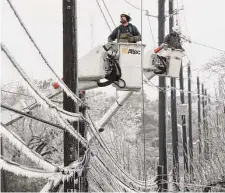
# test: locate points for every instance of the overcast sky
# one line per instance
(202, 20)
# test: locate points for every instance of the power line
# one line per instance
(22, 170)
(185, 21)
(109, 13)
(204, 45)
(207, 46)
(37, 94)
(63, 85)
(134, 6)
(104, 165)
(103, 15)
(16, 93)
(143, 101)
(17, 142)
(153, 39)
(106, 150)
(149, 83)
(149, 22)
(31, 116)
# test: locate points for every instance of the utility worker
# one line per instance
(126, 32)
(173, 39)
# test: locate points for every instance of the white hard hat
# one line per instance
(176, 29)
(126, 14)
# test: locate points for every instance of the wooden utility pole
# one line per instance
(83, 183)
(199, 123)
(184, 127)
(3, 189)
(190, 124)
(206, 126)
(209, 111)
(176, 176)
(70, 63)
(162, 170)
(204, 121)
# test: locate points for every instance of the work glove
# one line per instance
(131, 39)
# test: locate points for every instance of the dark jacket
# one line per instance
(173, 40)
(129, 33)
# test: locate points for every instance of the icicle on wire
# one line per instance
(77, 166)
(22, 170)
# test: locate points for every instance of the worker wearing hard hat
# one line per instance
(126, 32)
(173, 39)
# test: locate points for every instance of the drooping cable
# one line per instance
(107, 151)
(39, 96)
(22, 170)
(62, 84)
(34, 156)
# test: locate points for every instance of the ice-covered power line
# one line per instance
(35, 91)
(107, 181)
(32, 117)
(74, 171)
(61, 83)
(47, 105)
(15, 93)
(18, 143)
(94, 130)
(102, 164)
(22, 170)
(169, 88)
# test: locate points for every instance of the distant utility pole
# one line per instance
(205, 122)
(162, 169)
(176, 176)
(199, 123)
(71, 80)
(184, 127)
(209, 111)
(92, 32)
(190, 124)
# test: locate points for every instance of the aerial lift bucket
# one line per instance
(130, 63)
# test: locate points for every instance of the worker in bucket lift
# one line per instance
(126, 32)
(173, 39)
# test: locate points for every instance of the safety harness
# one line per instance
(130, 28)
